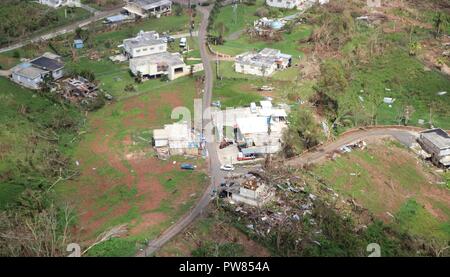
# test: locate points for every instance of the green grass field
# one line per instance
(386, 179)
(143, 192)
(409, 83)
(288, 45)
(26, 120)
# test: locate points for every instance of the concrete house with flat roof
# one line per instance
(30, 74)
(145, 43)
(263, 63)
(436, 142)
(60, 3)
(146, 8)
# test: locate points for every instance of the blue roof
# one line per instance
(117, 18)
(276, 25)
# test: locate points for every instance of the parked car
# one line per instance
(227, 167)
(183, 42)
(187, 166)
(167, 39)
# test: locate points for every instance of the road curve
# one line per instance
(401, 133)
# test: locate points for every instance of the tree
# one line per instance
(303, 132)
(138, 77)
(46, 83)
(440, 20)
(178, 9)
(331, 85)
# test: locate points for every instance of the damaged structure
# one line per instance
(147, 8)
(78, 89)
(175, 139)
(257, 130)
(263, 63)
(436, 142)
(294, 4)
(31, 74)
(59, 3)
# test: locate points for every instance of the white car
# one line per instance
(227, 167)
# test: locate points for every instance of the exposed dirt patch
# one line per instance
(148, 220)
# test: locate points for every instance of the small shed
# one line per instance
(78, 44)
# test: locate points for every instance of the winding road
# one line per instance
(404, 134)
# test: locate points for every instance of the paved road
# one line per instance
(403, 134)
(213, 162)
(62, 30)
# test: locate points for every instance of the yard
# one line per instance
(122, 181)
(388, 180)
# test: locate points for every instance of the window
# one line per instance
(145, 49)
(138, 51)
(152, 48)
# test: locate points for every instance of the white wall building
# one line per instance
(146, 8)
(284, 4)
(436, 142)
(156, 65)
(145, 43)
(294, 4)
(60, 3)
(253, 192)
(263, 63)
(31, 74)
(177, 138)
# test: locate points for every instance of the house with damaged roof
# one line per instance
(30, 74)
(146, 8)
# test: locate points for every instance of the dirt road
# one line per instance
(405, 135)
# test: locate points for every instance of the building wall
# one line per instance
(254, 70)
(26, 82)
(57, 74)
(146, 50)
(285, 4)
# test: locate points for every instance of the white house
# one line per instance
(263, 63)
(284, 4)
(294, 4)
(31, 74)
(145, 43)
(436, 142)
(253, 192)
(156, 65)
(60, 3)
(176, 138)
(146, 8)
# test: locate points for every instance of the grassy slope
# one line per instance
(119, 123)
(405, 197)
(25, 115)
(410, 84)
